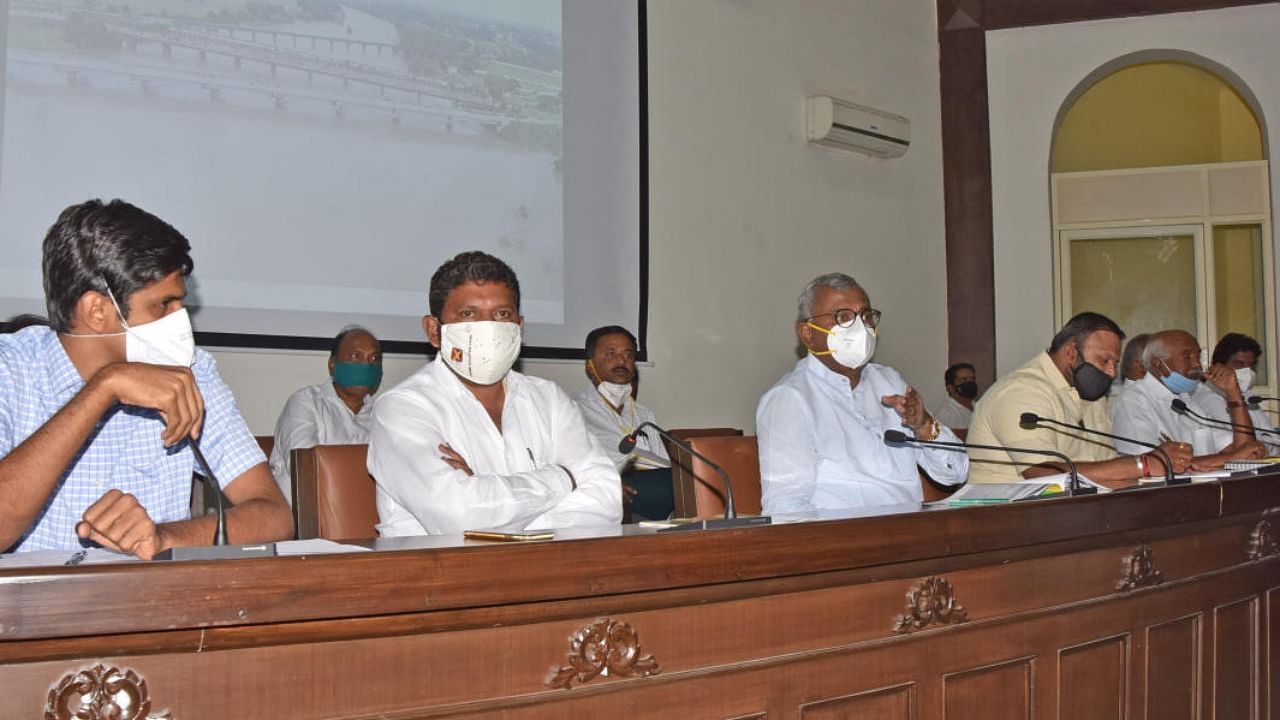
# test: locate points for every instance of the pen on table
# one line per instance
(76, 557)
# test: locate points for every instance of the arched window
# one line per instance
(1161, 202)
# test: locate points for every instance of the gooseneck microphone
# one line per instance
(220, 530)
(897, 438)
(1030, 421)
(730, 519)
(221, 549)
(1259, 399)
(1181, 408)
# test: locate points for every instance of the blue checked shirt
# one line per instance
(124, 451)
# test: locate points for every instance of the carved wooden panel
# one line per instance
(996, 692)
(101, 693)
(605, 647)
(931, 601)
(1091, 679)
(891, 703)
(1262, 542)
(1271, 641)
(1173, 669)
(1140, 570)
(1234, 665)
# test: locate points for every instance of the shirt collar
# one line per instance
(452, 384)
(1155, 387)
(64, 379)
(1050, 370)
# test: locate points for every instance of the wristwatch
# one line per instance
(934, 429)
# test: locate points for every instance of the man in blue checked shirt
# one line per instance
(97, 411)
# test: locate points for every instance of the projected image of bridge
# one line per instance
(377, 64)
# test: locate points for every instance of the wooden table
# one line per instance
(1158, 603)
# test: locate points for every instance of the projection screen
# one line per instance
(325, 156)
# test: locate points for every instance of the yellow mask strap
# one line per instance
(821, 329)
(591, 367)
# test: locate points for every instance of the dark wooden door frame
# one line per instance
(966, 148)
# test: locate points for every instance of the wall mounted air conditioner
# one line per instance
(846, 126)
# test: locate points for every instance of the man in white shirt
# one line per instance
(821, 427)
(611, 411)
(334, 412)
(1239, 353)
(468, 443)
(962, 387)
(1144, 409)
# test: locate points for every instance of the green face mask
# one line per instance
(351, 375)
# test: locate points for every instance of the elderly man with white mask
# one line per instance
(468, 443)
(1144, 409)
(822, 425)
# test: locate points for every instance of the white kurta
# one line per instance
(518, 480)
(608, 427)
(1215, 406)
(315, 415)
(1143, 411)
(822, 443)
(953, 415)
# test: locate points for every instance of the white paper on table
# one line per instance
(316, 546)
(56, 558)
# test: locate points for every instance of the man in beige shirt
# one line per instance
(1068, 383)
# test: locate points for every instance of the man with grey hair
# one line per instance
(1143, 411)
(1131, 367)
(334, 412)
(821, 427)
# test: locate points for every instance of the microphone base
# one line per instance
(1082, 490)
(218, 552)
(720, 523)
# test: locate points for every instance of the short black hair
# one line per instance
(593, 337)
(1232, 343)
(472, 266)
(1079, 328)
(114, 247)
(949, 377)
(17, 322)
(337, 339)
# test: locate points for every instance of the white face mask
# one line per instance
(614, 393)
(167, 341)
(1245, 377)
(850, 346)
(481, 351)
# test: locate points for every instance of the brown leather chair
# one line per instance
(267, 443)
(333, 493)
(740, 458)
(682, 482)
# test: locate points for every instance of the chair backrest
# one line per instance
(333, 493)
(682, 481)
(740, 458)
(267, 443)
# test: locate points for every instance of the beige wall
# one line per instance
(744, 212)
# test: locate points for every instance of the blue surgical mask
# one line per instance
(1179, 384)
(350, 375)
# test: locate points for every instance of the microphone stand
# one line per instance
(1029, 421)
(730, 519)
(897, 438)
(1181, 408)
(220, 549)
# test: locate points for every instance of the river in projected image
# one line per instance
(334, 153)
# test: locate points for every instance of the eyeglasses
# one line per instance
(845, 317)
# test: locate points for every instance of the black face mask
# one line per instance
(967, 390)
(1091, 383)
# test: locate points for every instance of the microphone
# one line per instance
(221, 549)
(730, 519)
(1181, 408)
(897, 438)
(1030, 421)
